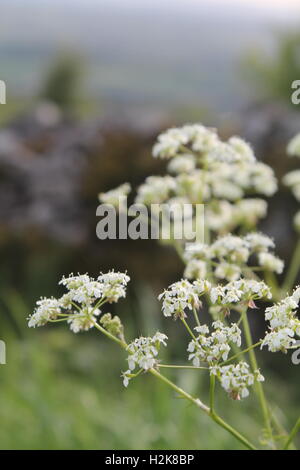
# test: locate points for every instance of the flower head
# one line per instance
(79, 307)
(212, 348)
(235, 379)
(143, 354)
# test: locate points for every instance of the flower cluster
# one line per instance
(243, 290)
(292, 180)
(80, 305)
(236, 379)
(183, 295)
(204, 169)
(201, 140)
(113, 325)
(212, 348)
(143, 354)
(283, 323)
(293, 147)
(116, 197)
(229, 255)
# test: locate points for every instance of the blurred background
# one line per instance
(90, 83)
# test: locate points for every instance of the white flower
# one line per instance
(242, 148)
(228, 271)
(179, 296)
(126, 377)
(263, 179)
(169, 143)
(235, 379)
(279, 340)
(232, 247)
(293, 147)
(116, 197)
(155, 190)
(195, 269)
(184, 163)
(226, 190)
(79, 306)
(292, 180)
(83, 321)
(284, 324)
(259, 242)
(241, 290)
(270, 262)
(143, 353)
(46, 310)
(216, 346)
(113, 285)
(249, 211)
(195, 251)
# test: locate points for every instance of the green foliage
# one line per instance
(272, 75)
(62, 83)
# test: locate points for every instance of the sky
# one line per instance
(148, 48)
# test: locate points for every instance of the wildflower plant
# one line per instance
(232, 274)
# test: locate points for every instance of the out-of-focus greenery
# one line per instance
(272, 75)
(62, 82)
(64, 391)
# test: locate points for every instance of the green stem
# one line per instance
(241, 353)
(180, 391)
(259, 387)
(188, 328)
(292, 434)
(212, 393)
(232, 431)
(196, 317)
(171, 366)
(110, 336)
(271, 280)
(292, 271)
(204, 408)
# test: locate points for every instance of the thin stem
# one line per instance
(212, 393)
(110, 336)
(259, 387)
(292, 271)
(204, 408)
(171, 366)
(196, 317)
(180, 391)
(292, 434)
(232, 431)
(188, 328)
(241, 353)
(271, 280)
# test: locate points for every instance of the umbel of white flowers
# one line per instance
(80, 306)
(230, 255)
(204, 169)
(283, 323)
